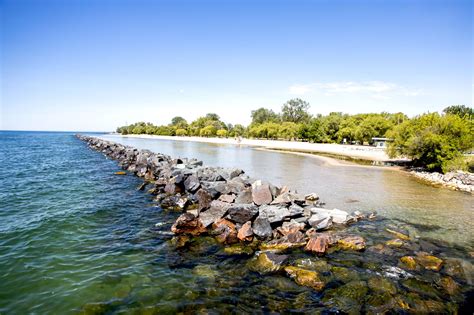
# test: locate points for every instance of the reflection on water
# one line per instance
(391, 193)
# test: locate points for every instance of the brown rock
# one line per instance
(245, 196)
(227, 198)
(352, 243)
(217, 210)
(246, 233)
(289, 241)
(428, 261)
(225, 231)
(204, 198)
(307, 278)
(261, 193)
(290, 227)
(318, 244)
(187, 223)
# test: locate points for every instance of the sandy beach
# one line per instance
(352, 151)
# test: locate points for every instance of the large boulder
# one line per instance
(192, 184)
(245, 232)
(261, 228)
(188, 224)
(241, 213)
(225, 231)
(261, 193)
(204, 198)
(245, 196)
(320, 221)
(290, 227)
(274, 213)
(217, 210)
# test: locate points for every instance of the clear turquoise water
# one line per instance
(75, 238)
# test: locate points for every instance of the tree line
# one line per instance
(434, 141)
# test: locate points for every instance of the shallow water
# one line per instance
(77, 238)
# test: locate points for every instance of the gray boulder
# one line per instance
(261, 228)
(241, 213)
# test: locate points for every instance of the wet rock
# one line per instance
(290, 227)
(142, 186)
(344, 274)
(120, 173)
(381, 249)
(261, 228)
(192, 184)
(241, 213)
(244, 197)
(318, 244)
(261, 193)
(267, 262)
(420, 287)
(204, 198)
(274, 213)
(217, 210)
(227, 198)
(239, 249)
(347, 298)
(380, 284)
(225, 231)
(351, 243)
(313, 264)
(337, 216)
(307, 278)
(398, 234)
(428, 261)
(245, 232)
(396, 273)
(449, 285)
(394, 243)
(205, 271)
(408, 262)
(291, 240)
(188, 224)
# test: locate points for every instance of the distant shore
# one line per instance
(355, 152)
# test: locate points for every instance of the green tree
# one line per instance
(181, 132)
(221, 133)
(288, 130)
(432, 140)
(313, 130)
(295, 110)
(208, 131)
(178, 120)
(462, 111)
(261, 115)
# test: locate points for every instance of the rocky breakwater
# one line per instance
(458, 180)
(350, 262)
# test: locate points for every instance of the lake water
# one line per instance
(75, 238)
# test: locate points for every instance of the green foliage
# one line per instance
(238, 130)
(295, 110)
(313, 131)
(221, 133)
(263, 115)
(181, 132)
(462, 111)
(288, 131)
(433, 141)
(208, 131)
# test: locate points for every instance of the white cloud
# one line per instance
(375, 89)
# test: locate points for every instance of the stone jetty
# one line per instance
(231, 206)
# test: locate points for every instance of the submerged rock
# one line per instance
(352, 243)
(428, 261)
(307, 278)
(188, 224)
(267, 262)
(408, 262)
(399, 235)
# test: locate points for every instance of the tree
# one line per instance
(181, 132)
(433, 141)
(313, 131)
(295, 110)
(462, 111)
(178, 120)
(221, 133)
(261, 115)
(238, 130)
(208, 131)
(288, 130)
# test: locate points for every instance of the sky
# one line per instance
(94, 65)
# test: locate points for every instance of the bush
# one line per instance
(432, 141)
(221, 133)
(208, 131)
(181, 132)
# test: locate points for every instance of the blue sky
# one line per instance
(94, 65)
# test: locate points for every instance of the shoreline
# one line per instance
(354, 152)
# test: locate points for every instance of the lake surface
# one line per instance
(75, 238)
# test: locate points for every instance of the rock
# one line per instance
(292, 240)
(320, 221)
(348, 298)
(344, 274)
(408, 262)
(120, 173)
(261, 228)
(218, 209)
(352, 243)
(338, 216)
(261, 193)
(307, 278)
(421, 287)
(381, 284)
(284, 198)
(295, 210)
(318, 244)
(428, 261)
(204, 198)
(311, 197)
(172, 189)
(245, 232)
(192, 184)
(238, 250)
(274, 213)
(241, 213)
(449, 285)
(267, 262)
(205, 271)
(225, 231)
(227, 198)
(313, 264)
(290, 227)
(142, 186)
(188, 224)
(396, 273)
(244, 197)
(399, 235)
(394, 243)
